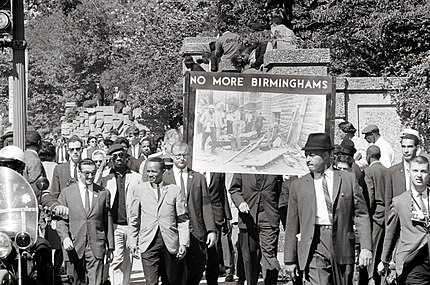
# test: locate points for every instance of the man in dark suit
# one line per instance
(159, 226)
(33, 165)
(132, 134)
(88, 233)
(100, 92)
(202, 224)
(257, 197)
(64, 175)
(398, 179)
(322, 209)
(375, 176)
(119, 100)
(409, 215)
(132, 163)
(222, 215)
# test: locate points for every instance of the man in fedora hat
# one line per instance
(372, 136)
(323, 207)
(347, 130)
(191, 64)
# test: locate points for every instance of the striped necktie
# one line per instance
(327, 198)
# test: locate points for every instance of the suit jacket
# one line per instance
(139, 151)
(219, 200)
(133, 163)
(33, 170)
(148, 214)
(395, 184)
(60, 178)
(245, 188)
(349, 208)
(96, 226)
(412, 237)
(109, 182)
(375, 176)
(198, 203)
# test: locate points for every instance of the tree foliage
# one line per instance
(137, 45)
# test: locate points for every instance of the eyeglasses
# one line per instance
(72, 149)
(180, 155)
(116, 155)
(88, 173)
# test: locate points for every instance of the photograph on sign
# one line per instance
(245, 131)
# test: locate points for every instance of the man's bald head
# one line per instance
(373, 153)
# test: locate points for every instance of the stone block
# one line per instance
(196, 45)
(90, 110)
(99, 123)
(369, 83)
(298, 57)
(69, 105)
(92, 128)
(100, 115)
(299, 70)
(107, 127)
(108, 119)
(86, 115)
(86, 130)
(92, 119)
(117, 116)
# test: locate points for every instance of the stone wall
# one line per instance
(99, 120)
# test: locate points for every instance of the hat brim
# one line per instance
(317, 148)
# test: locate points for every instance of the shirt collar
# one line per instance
(373, 162)
(405, 165)
(415, 193)
(176, 170)
(82, 186)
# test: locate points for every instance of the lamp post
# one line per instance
(19, 83)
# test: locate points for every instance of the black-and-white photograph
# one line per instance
(254, 132)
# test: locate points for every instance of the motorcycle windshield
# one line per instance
(18, 205)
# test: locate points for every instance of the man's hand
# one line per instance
(365, 257)
(382, 268)
(135, 252)
(244, 208)
(182, 252)
(109, 255)
(68, 244)
(61, 210)
(291, 270)
(210, 241)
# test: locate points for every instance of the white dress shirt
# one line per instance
(322, 217)
(407, 175)
(156, 190)
(177, 173)
(72, 170)
(82, 190)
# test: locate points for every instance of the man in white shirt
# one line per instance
(372, 136)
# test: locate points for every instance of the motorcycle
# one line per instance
(21, 251)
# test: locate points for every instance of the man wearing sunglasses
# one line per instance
(87, 236)
(119, 180)
(64, 175)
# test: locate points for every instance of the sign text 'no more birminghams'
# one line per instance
(293, 84)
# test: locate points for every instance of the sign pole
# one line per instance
(19, 82)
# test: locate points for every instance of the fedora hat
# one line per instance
(347, 147)
(318, 141)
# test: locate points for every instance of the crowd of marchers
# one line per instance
(354, 217)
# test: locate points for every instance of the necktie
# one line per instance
(75, 172)
(182, 183)
(327, 198)
(422, 205)
(87, 200)
(158, 192)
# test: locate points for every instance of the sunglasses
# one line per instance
(72, 149)
(116, 155)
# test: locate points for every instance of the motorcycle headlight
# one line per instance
(23, 240)
(5, 245)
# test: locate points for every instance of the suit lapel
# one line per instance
(336, 186)
(163, 195)
(95, 199)
(190, 177)
(312, 197)
(77, 198)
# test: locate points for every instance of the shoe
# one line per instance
(229, 278)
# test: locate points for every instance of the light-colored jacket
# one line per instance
(148, 214)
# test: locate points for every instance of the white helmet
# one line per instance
(12, 152)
